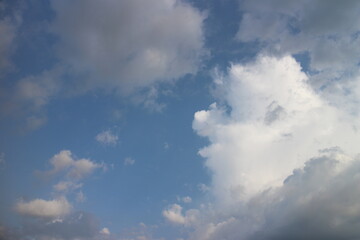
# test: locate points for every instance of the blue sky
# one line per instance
(167, 119)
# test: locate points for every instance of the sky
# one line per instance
(179, 119)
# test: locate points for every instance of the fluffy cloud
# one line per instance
(105, 231)
(76, 169)
(276, 123)
(174, 215)
(129, 44)
(271, 122)
(44, 208)
(107, 137)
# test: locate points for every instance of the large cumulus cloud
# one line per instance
(268, 122)
(272, 122)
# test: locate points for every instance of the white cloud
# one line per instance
(76, 169)
(105, 231)
(81, 168)
(134, 44)
(129, 161)
(276, 123)
(44, 208)
(270, 123)
(174, 215)
(107, 137)
(62, 160)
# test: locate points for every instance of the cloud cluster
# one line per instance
(56, 218)
(74, 170)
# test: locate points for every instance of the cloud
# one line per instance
(186, 199)
(107, 137)
(44, 208)
(82, 168)
(283, 158)
(76, 169)
(128, 45)
(311, 202)
(78, 225)
(203, 187)
(127, 48)
(28, 98)
(56, 218)
(271, 123)
(129, 161)
(174, 215)
(306, 28)
(65, 186)
(318, 201)
(105, 231)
